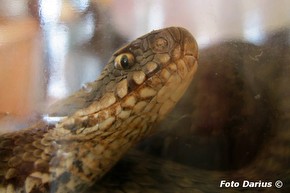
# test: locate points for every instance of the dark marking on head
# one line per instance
(65, 177)
(131, 84)
(79, 165)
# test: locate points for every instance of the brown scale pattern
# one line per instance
(22, 153)
(239, 99)
(103, 120)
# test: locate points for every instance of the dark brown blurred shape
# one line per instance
(230, 110)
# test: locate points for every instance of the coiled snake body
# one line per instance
(138, 87)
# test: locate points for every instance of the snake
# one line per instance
(89, 150)
(140, 84)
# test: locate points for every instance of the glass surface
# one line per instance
(233, 122)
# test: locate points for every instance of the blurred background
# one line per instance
(49, 49)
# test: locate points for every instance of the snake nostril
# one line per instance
(160, 45)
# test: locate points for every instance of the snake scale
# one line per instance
(136, 172)
(140, 84)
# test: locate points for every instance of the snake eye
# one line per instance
(124, 61)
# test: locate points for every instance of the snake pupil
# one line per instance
(125, 62)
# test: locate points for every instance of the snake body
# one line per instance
(140, 84)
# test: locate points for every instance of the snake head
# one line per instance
(159, 53)
(141, 83)
(159, 46)
(157, 67)
(144, 78)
